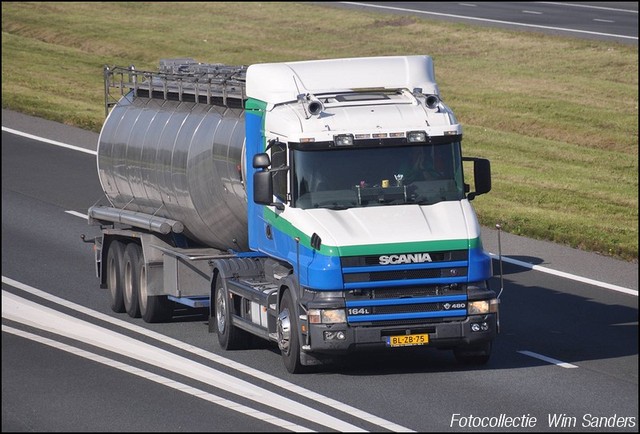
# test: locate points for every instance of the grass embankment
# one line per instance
(558, 117)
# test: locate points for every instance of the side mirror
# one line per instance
(263, 181)
(481, 176)
(262, 187)
(261, 161)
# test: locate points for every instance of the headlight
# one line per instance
(483, 307)
(478, 307)
(326, 316)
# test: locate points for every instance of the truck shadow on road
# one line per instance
(559, 325)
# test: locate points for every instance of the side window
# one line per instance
(279, 159)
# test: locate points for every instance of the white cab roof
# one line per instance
(276, 83)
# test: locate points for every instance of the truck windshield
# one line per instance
(358, 177)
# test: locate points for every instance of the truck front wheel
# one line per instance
(230, 337)
(115, 268)
(288, 342)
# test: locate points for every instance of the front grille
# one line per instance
(407, 308)
(405, 292)
(425, 273)
(412, 302)
(406, 322)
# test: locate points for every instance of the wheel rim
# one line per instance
(143, 289)
(128, 283)
(111, 278)
(221, 310)
(284, 331)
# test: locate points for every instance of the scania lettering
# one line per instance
(321, 205)
(405, 259)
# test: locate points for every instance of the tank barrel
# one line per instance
(172, 148)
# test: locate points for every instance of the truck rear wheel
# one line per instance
(288, 342)
(115, 268)
(230, 337)
(131, 289)
(473, 355)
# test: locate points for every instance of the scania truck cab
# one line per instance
(360, 190)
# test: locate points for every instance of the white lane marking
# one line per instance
(77, 214)
(487, 20)
(332, 403)
(51, 142)
(603, 21)
(532, 12)
(215, 399)
(604, 8)
(32, 314)
(567, 275)
(548, 359)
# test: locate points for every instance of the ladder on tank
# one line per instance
(178, 80)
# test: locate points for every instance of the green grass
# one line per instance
(558, 117)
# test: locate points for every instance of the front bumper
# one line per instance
(446, 334)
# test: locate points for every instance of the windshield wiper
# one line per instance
(330, 205)
(393, 202)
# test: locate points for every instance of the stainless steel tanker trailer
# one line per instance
(320, 205)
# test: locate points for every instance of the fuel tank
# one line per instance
(178, 160)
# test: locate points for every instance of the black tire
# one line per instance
(230, 337)
(288, 341)
(114, 275)
(153, 308)
(476, 355)
(131, 287)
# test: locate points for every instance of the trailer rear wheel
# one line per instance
(230, 337)
(153, 308)
(131, 289)
(115, 268)
(288, 342)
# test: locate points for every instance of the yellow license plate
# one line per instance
(407, 340)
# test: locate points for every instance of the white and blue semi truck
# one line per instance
(320, 205)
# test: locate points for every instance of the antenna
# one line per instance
(499, 227)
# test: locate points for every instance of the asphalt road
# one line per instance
(610, 21)
(566, 360)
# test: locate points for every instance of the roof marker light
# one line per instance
(343, 140)
(416, 136)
